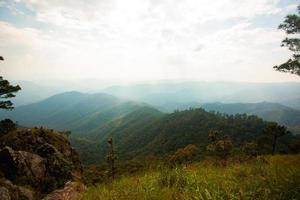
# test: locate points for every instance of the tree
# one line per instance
(111, 158)
(220, 146)
(275, 131)
(291, 25)
(184, 155)
(7, 91)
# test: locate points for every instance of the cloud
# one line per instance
(151, 39)
(199, 47)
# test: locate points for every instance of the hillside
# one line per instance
(268, 111)
(139, 130)
(73, 111)
(148, 132)
(129, 131)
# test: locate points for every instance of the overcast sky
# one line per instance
(137, 40)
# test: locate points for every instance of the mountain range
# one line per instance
(140, 129)
(73, 111)
(164, 93)
(161, 93)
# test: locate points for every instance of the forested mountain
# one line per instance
(131, 133)
(266, 110)
(148, 132)
(73, 111)
(140, 130)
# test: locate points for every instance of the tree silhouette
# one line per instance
(291, 25)
(7, 91)
(275, 131)
(111, 158)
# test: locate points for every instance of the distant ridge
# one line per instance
(75, 111)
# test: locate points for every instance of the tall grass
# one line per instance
(272, 177)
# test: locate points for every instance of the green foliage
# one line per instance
(148, 132)
(291, 25)
(74, 111)
(276, 177)
(7, 91)
(268, 111)
(220, 146)
(250, 149)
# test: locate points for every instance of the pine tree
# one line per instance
(275, 131)
(291, 26)
(6, 92)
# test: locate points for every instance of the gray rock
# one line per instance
(21, 163)
(16, 192)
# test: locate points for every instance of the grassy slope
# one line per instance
(276, 177)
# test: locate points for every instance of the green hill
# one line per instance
(130, 132)
(73, 111)
(266, 110)
(148, 132)
(139, 130)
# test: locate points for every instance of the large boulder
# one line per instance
(39, 158)
(21, 164)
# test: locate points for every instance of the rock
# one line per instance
(71, 191)
(16, 192)
(25, 193)
(17, 164)
(4, 194)
(46, 150)
(40, 159)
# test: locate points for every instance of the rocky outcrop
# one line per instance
(18, 164)
(37, 158)
(15, 192)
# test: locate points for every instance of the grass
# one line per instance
(270, 177)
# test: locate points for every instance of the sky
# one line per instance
(140, 40)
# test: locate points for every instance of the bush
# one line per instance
(6, 126)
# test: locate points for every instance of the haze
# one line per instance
(144, 40)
